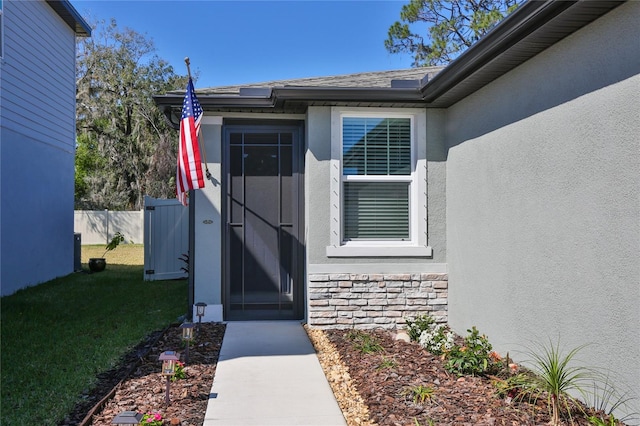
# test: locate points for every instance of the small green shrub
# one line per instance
(430, 422)
(114, 243)
(419, 394)
(180, 373)
(600, 421)
(517, 387)
(387, 363)
(473, 357)
(364, 342)
(415, 326)
(436, 338)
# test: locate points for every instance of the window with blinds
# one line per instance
(376, 210)
(376, 146)
(376, 178)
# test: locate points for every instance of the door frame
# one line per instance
(261, 126)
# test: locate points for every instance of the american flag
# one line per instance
(189, 173)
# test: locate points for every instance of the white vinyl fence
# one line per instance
(99, 226)
(163, 228)
(166, 239)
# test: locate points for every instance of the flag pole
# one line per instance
(204, 152)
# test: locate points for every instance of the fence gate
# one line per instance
(166, 239)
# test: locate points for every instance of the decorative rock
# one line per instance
(353, 407)
(403, 335)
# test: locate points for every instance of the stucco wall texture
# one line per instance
(543, 201)
(207, 220)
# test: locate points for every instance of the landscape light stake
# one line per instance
(127, 418)
(169, 359)
(200, 306)
(187, 335)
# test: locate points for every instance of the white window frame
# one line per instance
(416, 245)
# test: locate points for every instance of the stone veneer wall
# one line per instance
(375, 300)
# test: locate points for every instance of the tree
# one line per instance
(450, 27)
(125, 147)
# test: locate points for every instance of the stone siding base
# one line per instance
(367, 301)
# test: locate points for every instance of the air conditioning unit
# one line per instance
(77, 248)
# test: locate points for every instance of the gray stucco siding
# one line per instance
(317, 157)
(543, 200)
(318, 200)
(208, 226)
(436, 184)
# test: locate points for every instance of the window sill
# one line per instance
(379, 251)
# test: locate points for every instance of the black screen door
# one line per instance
(263, 250)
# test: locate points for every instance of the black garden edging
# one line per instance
(83, 411)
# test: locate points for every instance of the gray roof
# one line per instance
(533, 27)
(413, 76)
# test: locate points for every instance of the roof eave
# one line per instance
(278, 96)
(489, 58)
(70, 15)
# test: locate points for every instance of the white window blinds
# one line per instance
(376, 146)
(375, 206)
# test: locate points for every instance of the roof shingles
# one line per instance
(363, 79)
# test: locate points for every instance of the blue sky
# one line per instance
(237, 42)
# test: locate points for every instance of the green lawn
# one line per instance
(57, 336)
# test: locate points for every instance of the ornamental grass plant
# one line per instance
(59, 335)
(364, 342)
(551, 374)
(558, 377)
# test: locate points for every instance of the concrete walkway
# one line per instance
(268, 374)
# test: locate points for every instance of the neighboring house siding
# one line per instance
(39, 75)
(543, 201)
(38, 145)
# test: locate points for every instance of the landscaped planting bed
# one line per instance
(141, 387)
(378, 379)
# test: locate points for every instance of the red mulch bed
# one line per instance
(141, 387)
(456, 400)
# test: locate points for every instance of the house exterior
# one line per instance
(501, 191)
(37, 132)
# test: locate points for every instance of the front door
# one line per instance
(264, 253)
